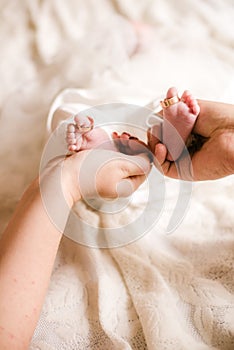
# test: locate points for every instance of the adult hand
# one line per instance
(215, 158)
(104, 173)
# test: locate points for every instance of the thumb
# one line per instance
(135, 169)
(154, 135)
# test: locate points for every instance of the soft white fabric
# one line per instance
(162, 292)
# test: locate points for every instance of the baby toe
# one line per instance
(82, 121)
(185, 96)
(71, 128)
(72, 148)
(91, 120)
(171, 99)
(171, 92)
(70, 135)
(80, 142)
(115, 135)
(193, 105)
(195, 108)
(71, 141)
(125, 136)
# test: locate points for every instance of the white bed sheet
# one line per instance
(162, 292)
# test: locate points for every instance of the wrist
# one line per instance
(69, 184)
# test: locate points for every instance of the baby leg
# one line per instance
(179, 119)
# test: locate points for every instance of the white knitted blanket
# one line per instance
(163, 291)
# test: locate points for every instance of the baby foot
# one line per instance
(180, 116)
(75, 132)
(81, 135)
(131, 145)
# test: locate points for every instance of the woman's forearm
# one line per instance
(29, 245)
(27, 252)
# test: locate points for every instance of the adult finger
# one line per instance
(181, 169)
(154, 135)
